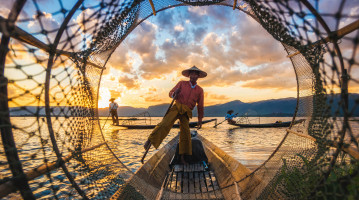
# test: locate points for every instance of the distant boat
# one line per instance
(191, 125)
(269, 125)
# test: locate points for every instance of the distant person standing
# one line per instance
(230, 116)
(113, 111)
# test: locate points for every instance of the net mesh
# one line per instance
(52, 59)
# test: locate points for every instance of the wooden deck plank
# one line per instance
(174, 182)
(181, 168)
(169, 181)
(211, 193)
(185, 182)
(191, 182)
(179, 185)
(173, 186)
(216, 188)
(176, 168)
(204, 190)
(208, 181)
(201, 168)
(197, 186)
(179, 182)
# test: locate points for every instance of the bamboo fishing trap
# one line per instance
(53, 74)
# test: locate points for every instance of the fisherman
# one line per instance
(229, 117)
(187, 94)
(113, 111)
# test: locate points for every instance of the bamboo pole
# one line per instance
(153, 7)
(349, 150)
(234, 4)
(334, 36)
(27, 38)
(9, 186)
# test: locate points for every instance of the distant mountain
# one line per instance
(273, 107)
(267, 107)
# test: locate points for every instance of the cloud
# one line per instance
(278, 83)
(198, 33)
(130, 83)
(152, 99)
(216, 96)
(253, 46)
(154, 95)
(120, 60)
(197, 15)
(241, 53)
(165, 19)
(116, 94)
(179, 28)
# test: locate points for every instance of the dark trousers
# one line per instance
(114, 115)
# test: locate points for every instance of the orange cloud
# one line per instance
(218, 97)
(130, 83)
(280, 83)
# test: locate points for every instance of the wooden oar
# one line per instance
(149, 146)
(222, 122)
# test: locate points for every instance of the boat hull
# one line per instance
(269, 125)
(191, 125)
(150, 177)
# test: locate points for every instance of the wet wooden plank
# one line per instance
(172, 195)
(179, 181)
(211, 193)
(192, 168)
(174, 182)
(216, 188)
(203, 187)
(195, 166)
(175, 168)
(208, 181)
(197, 186)
(191, 182)
(185, 182)
(201, 168)
(169, 181)
(181, 168)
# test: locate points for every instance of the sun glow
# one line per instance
(104, 97)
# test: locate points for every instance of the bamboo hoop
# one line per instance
(334, 36)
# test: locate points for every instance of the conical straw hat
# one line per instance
(186, 72)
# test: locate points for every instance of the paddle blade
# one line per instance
(144, 155)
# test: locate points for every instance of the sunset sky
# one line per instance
(242, 60)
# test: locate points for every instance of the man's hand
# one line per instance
(199, 126)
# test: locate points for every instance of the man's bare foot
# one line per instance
(183, 161)
(147, 144)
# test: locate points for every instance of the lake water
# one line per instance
(250, 146)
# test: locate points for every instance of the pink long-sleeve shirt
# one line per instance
(190, 96)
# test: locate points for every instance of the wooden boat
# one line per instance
(191, 125)
(269, 125)
(157, 180)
